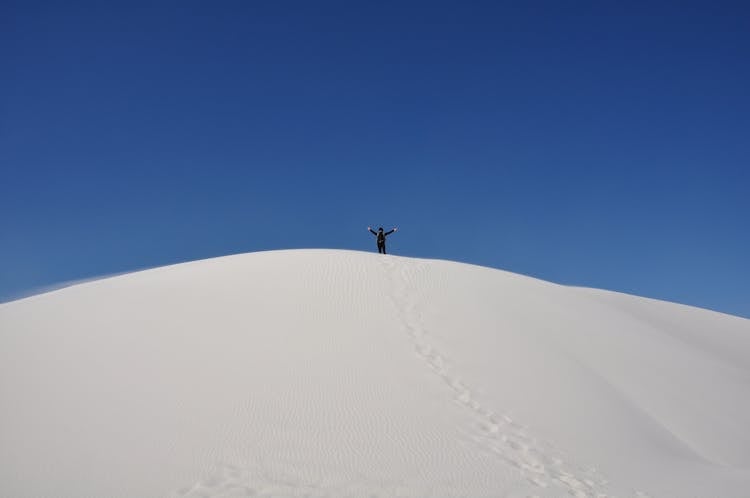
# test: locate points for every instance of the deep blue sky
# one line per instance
(601, 144)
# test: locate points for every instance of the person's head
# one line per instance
(380, 229)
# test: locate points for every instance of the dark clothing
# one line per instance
(381, 235)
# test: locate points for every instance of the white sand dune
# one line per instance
(334, 373)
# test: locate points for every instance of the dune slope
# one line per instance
(339, 373)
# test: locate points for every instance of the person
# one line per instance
(381, 235)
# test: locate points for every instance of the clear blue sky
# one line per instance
(602, 144)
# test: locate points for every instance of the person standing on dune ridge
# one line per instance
(381, 235)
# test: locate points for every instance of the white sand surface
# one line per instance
(329, 373)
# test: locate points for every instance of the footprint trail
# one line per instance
(538, 462)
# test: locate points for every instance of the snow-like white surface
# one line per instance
(337, 373)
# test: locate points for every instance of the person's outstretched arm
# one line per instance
(390, 232)
(372, 231)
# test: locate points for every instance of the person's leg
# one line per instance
(383, 247)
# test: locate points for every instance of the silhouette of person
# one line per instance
(381, 235)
